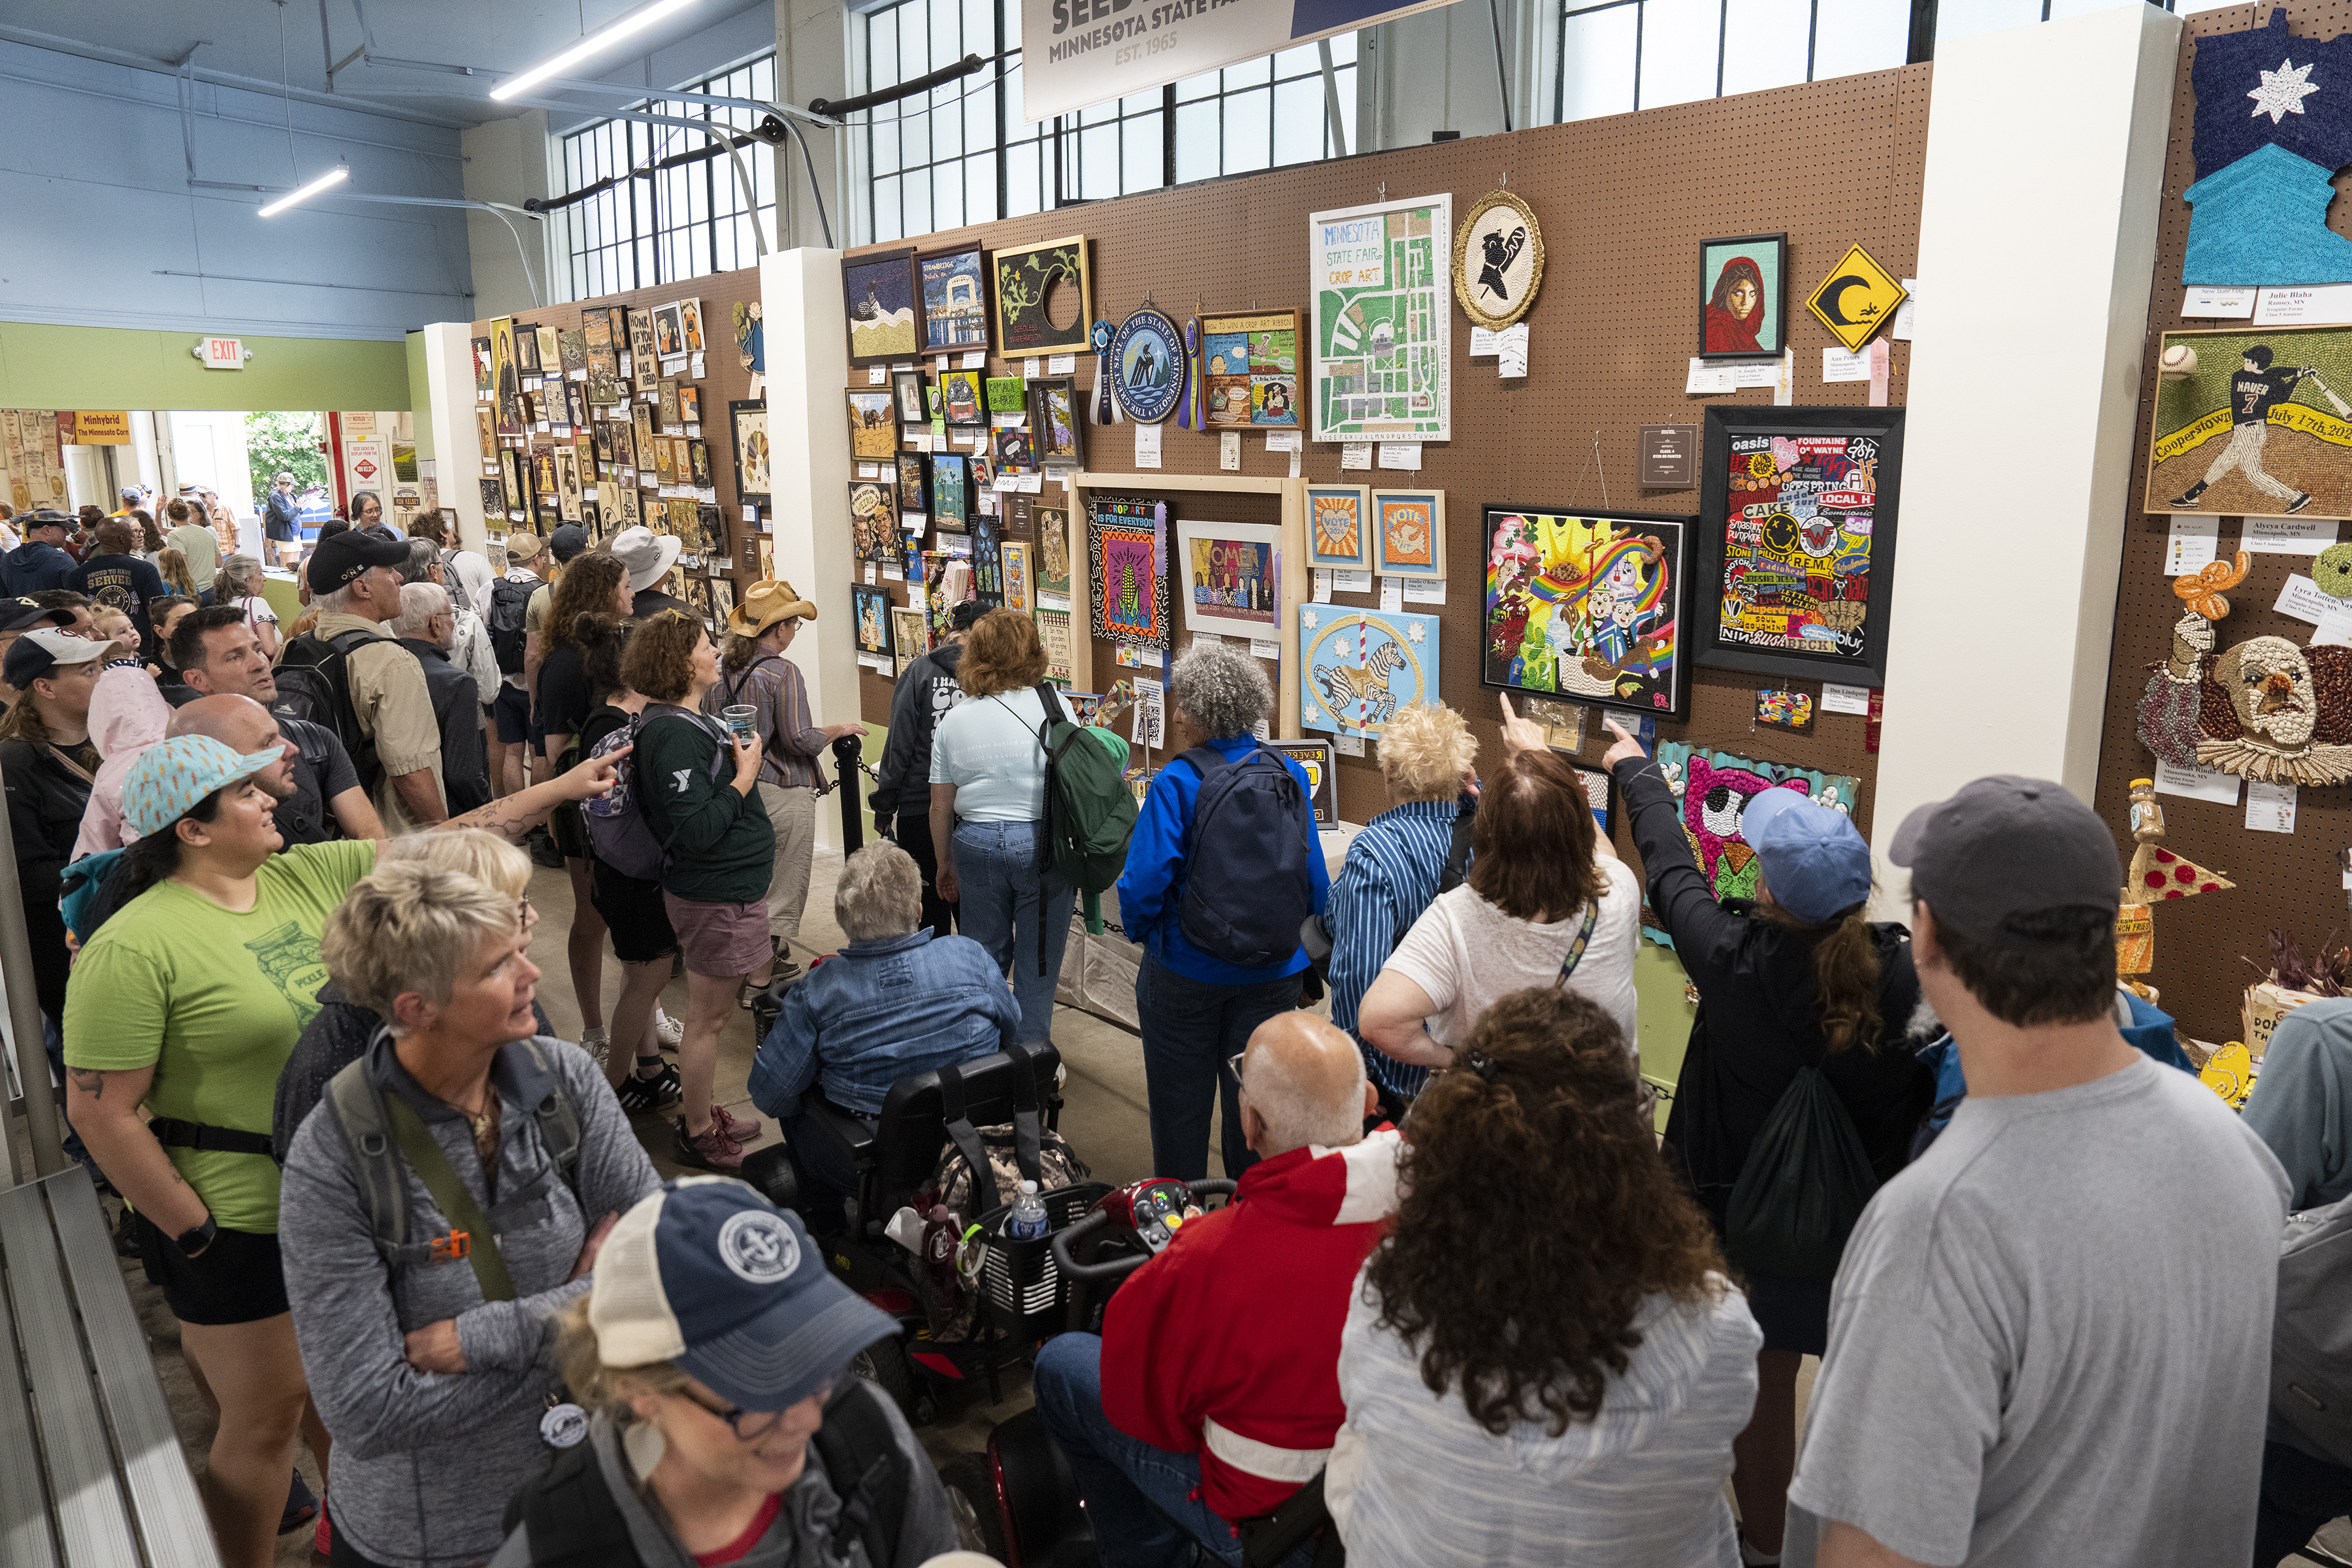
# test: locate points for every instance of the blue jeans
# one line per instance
(1189, 1028)
(1000, 888)
(2299, 1495)
(1142, 1500)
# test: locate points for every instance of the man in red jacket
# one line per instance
(1213, 1392)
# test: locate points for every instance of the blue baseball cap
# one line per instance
(172, 775)
(710, 1276)
(1815, 864)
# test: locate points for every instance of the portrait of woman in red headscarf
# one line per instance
(1736, 309)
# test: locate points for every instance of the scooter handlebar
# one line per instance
(1098, 1220)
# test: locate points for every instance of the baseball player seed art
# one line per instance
(2260, 426)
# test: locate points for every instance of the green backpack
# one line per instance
(1089, 810)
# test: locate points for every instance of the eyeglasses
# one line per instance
(750, 1425)
(525, 916)
(1233, 1063)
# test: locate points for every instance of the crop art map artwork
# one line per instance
(1383, 321)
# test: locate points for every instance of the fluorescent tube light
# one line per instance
(635, 21)
(302, 193)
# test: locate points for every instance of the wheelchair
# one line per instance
(924, 1115)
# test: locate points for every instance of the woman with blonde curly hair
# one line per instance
(1399, 862)
(988, 812)
(1543, 1361)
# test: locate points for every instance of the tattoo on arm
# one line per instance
(90, 1080)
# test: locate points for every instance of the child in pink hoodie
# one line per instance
(127, 715)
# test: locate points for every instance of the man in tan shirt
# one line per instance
(355, 587)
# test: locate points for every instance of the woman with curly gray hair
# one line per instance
(1217, 913)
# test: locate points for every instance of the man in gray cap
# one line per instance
(2050, 1338)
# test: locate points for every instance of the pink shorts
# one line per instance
(724, 941)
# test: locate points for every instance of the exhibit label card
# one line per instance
(2270, 808)
(1836, 699)
(2287, 535)
(1147, 446)
(2193, 542)
(2303, 599)
(1667, 456)
(2197, 784)
(1837, 365)
(2318, 305)
(2206, 302)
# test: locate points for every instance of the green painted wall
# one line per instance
(114, 367)
(420, 397)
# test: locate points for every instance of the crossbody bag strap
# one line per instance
(966, 1139)
(441, 1179)
(1576, 949)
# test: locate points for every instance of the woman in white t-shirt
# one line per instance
(988, 812)
(1546, 899)
(238, 585)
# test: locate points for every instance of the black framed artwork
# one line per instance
(954, 299)
(1743, 296)
(1590, 607)
(878, 291)
(909, 389)
(748, 423)
(914, 483)
(1797, 518)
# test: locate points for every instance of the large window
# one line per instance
(1621, 54)
(687, 222)
(955, 155)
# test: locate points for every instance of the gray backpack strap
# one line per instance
(359, 1112)
(558, 1120)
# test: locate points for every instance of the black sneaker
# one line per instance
(2298, 504)
(543, 851)
(644, 1096)
(2190, 498)
(716, 1149)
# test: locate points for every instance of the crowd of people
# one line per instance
(278, 887)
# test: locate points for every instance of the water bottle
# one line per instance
(1027, 1222)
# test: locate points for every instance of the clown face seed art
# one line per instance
(1714, 788)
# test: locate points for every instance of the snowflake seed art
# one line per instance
(1357, 668)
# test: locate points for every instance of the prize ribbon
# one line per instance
(1106, 409)
(1190, 419)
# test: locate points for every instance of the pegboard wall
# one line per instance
(2284, 880)
(1625, 203)
(724, 381)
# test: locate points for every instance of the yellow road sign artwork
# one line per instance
(1856, 299)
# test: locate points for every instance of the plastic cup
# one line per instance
(742, 718)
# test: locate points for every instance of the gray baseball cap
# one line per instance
(2007, 846)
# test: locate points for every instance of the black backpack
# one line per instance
(510, 602)
(1806, 1181)
(1247, 894)
(314, 683)
(575, 1523)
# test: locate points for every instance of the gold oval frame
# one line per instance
(1478, 209)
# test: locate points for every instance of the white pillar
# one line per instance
(2046, 150)
(449, 411)
(808, 456)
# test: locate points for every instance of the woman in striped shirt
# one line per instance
(1394, 865)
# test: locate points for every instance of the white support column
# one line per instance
(2042, 142)
(808, 364)
(449, 409)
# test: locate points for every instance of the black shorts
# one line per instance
(634, 913)
(512, 710)
(237, 1279)
(569, 832)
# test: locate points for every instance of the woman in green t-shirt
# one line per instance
(187, 1002)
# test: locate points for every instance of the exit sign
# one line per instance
(223, 353)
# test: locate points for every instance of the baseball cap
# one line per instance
(23, 614)
(342, 557)
(568, 541)
(172, 775)
(44, 518)
(708, 1274)
(129, 493)
(966, 615)
(37, 653)
(2007, 846)
(522, 545)
(1815, 864)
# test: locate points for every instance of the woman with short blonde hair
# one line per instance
(988, 812)
(1398, 864)
(401, 1347)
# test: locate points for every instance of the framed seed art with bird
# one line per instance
(1498, 257)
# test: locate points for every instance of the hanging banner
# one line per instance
(1079, 53)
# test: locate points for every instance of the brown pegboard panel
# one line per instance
(724, 381)
(1625, 201)
(2287, 881)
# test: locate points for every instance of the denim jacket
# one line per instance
(878, 1011)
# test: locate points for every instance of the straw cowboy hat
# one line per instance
(764, 603)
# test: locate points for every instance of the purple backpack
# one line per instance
(618, 833)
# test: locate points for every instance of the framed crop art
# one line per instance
(1128, 590)
(960, 394)
(2253, 424)
(873, 521)
(748, 422)
(1797, 514)
(1057, 422)
(1408, 529)
(914, 484)
(873, 424)
(951, 492)
(908, 389)
(1587, 606)
(1044, 298)
(1230, 577)
(954, 299)
(689, 403)
(1338, 537)
(870, 617)
(1249, 370)
(879, 291)
(1743, 309)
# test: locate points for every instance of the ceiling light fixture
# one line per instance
(635, 21)
(340, 172)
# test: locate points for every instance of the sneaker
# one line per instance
(644, 1096)
(543, 851)
(668, 1029)
(2189, 498)
(597, 1042)
(714, 1150)
(2299, 503)
(302, 1508)
(742, 1129)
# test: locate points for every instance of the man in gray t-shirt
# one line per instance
(2050, 1338)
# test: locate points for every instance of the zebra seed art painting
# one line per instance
(1359, 667)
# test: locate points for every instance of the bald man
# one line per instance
(1213, 1393)
(312, 806)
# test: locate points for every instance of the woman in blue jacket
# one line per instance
(1196, 1009)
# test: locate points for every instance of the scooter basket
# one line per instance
(1027, 1296)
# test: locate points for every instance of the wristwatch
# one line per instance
(191, 1242)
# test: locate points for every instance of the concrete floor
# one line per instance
(1104, 1119)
